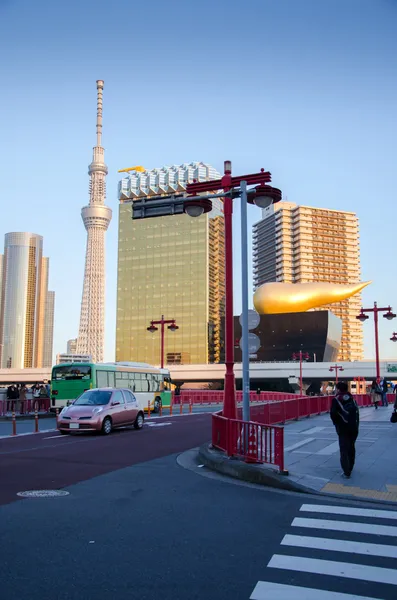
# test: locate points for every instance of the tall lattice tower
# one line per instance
(96, 217)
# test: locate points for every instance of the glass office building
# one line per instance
(171, 266)
(26, 310)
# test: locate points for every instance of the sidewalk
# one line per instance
(311, 454)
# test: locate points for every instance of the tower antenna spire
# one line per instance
(99, 87)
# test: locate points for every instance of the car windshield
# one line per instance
(93, 398)
(75, 371)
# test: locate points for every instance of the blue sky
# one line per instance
(305, 89)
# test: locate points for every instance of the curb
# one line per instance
(216, 461)
(29, 417)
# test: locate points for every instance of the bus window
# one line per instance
(75, 371)
(111, 379)
(101, 379)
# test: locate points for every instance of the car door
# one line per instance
(118, 408)
(132, 406)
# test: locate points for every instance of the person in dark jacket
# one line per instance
(345, 416)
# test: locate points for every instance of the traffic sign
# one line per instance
(253, 319)
(253, 343)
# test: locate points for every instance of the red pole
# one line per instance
(301, 381)
(229, 398)
(148, 408)
(376, 342)
(162, 342)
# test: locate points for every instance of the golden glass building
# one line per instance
(26, 305)
(302, 244)
(171, 266)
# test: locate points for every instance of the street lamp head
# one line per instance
(394, 338)
(264, 196)
(173, 327)
(362, 317)
(195, 208)
(152, 329)
(227, 167)
(389, 315)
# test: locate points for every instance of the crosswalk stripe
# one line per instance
(345, 526)
(331, 567)
(347, 510)
(301, 541)
(266, 590)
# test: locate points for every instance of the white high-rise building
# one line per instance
(301, 244)
(96, 217)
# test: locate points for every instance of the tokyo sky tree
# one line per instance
(96, 217)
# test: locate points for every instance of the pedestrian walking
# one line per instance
(345, 416)
(36, 396)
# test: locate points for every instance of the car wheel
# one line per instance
(139, 421)
(107, 426)
(157, 404)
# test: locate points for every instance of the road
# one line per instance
(136, 524)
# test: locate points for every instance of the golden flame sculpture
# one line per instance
(275, 298)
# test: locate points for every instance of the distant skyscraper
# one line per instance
(171, 266)
(96, 217)
(71, 346)
(300, 244)
(49, 330)
(24, 316)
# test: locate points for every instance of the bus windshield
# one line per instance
(75, 371)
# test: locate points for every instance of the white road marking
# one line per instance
(331, 567)
(318, 543)
(345, 526)
(298, 445)
(157, 424)
(266, 590)
(349, 510)
(56, 437)
(331, 449)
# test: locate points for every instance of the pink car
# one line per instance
(101, 409)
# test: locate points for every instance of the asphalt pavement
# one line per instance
(157, 530)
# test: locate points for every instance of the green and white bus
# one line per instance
(149, 384)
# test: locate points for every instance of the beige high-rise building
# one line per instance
(71, 346)
(171, 266)
(26, 316)
(301, 244)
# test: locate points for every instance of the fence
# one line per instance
(24, 408)
(254, 442)
(216, 397)
(261, 440)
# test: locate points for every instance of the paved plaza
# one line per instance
(312, 455)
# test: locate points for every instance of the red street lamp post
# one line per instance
(172, 326)
(301, 356)
(336, 368)
(363, 317)
(263, 195)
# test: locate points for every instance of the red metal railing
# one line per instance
(254, 442)
(24, 408)
(216, 397)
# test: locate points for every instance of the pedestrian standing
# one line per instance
(375, 393)
(345, 416)
(385, 387)
(22, 397)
